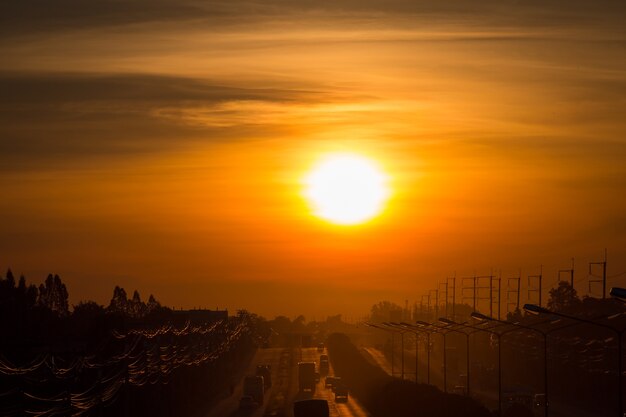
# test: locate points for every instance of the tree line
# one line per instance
(128, 358)
(52, 295)
(35, 319)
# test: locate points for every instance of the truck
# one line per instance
(254, 387)
(324, 366)
(266, 372)
(306, 376)
(311, 408)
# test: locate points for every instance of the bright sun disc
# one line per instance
(346, 189)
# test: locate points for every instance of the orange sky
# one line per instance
(165, 150)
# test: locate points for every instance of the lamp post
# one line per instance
(545, 351)
(449, 322)
(544, 334)
(416, 333)
(618, 293)
(434, 329)
(498, 335)
(397, 328)
(376, 326)
(422, 326)
(535, 309)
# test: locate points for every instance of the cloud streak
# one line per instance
(37, 16)
(51, 116)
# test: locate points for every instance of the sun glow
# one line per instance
(346, 189)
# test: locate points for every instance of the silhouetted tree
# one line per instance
(21, 286)
(136, 307)
(563, 298)
(10, 280)
(32, 294)
(386, 311)
(119, 302)
(53, 295)
(88, 309)
(281, 324)
(152, 304)
(297, 325)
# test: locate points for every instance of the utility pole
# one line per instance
(499, 294)
(436, 301)
(474, 293)
(453, 279)
(491, 295)
(454, 296)
(603, 280)
(571, 279)
(570, 272)
(513, 289)
(482, 287)
(538, 289)
(465, 287)
(406, 314)
(445, 296)
(422, 303)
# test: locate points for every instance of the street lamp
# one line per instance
(482, 317)
(544, 334)
(535, 309)
(416, 333)
(386, 329)
(618, 293)
(440, 330)
(398, 328)
(449, 322)
(424, 327)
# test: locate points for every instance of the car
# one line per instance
(324, 358)
(328, 382)
(341, 392)
(459, 389)
(320, 347)
(337, 382)
(247, 403)
(539, 401)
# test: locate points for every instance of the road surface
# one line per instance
(350, 408)
(280, 396)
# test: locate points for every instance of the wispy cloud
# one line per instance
(65, 116)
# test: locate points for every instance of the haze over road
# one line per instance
(284, 390)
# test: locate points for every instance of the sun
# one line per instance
(346, 189)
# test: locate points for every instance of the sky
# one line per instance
(163, 145)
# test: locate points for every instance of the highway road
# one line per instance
(284, 391)
(350, 408)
